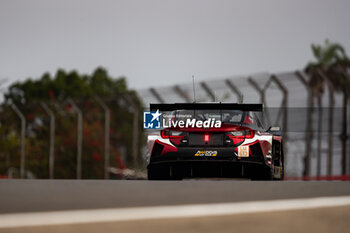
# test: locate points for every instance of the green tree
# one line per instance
(55, 92)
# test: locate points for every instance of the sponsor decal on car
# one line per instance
(243, 151)
(208, 153)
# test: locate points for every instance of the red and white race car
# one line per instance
(214, 140)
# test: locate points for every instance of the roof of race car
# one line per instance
(206, 106)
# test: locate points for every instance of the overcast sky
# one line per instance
(160, 42)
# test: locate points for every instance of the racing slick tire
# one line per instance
(282, 165)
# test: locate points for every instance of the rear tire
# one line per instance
(282, 165)
(278, 159)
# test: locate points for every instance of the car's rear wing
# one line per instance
(206, 106)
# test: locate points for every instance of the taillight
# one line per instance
(241, 134)
(206, 137)
(171, 134)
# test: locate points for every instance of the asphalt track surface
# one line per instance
(49, 195)
(28, 196)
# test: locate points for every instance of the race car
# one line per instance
(214, 140)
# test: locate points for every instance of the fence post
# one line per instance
(23, 138)
(284, 90)
(181, 93)
(345, 136)
(79, 136)
(135, 135)
(258, 89)
(208, 91)
(308, 133)
(330, 121)
(52, 140)
(106, 136)
(235, 90)
(261, 92)
(135, 130)
(156, 95)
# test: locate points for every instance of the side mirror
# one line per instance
(274, 129)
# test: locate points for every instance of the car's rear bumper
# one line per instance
(185, 162)
(218, 154)
(206, 168)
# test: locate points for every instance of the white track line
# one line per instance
(161, 212)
